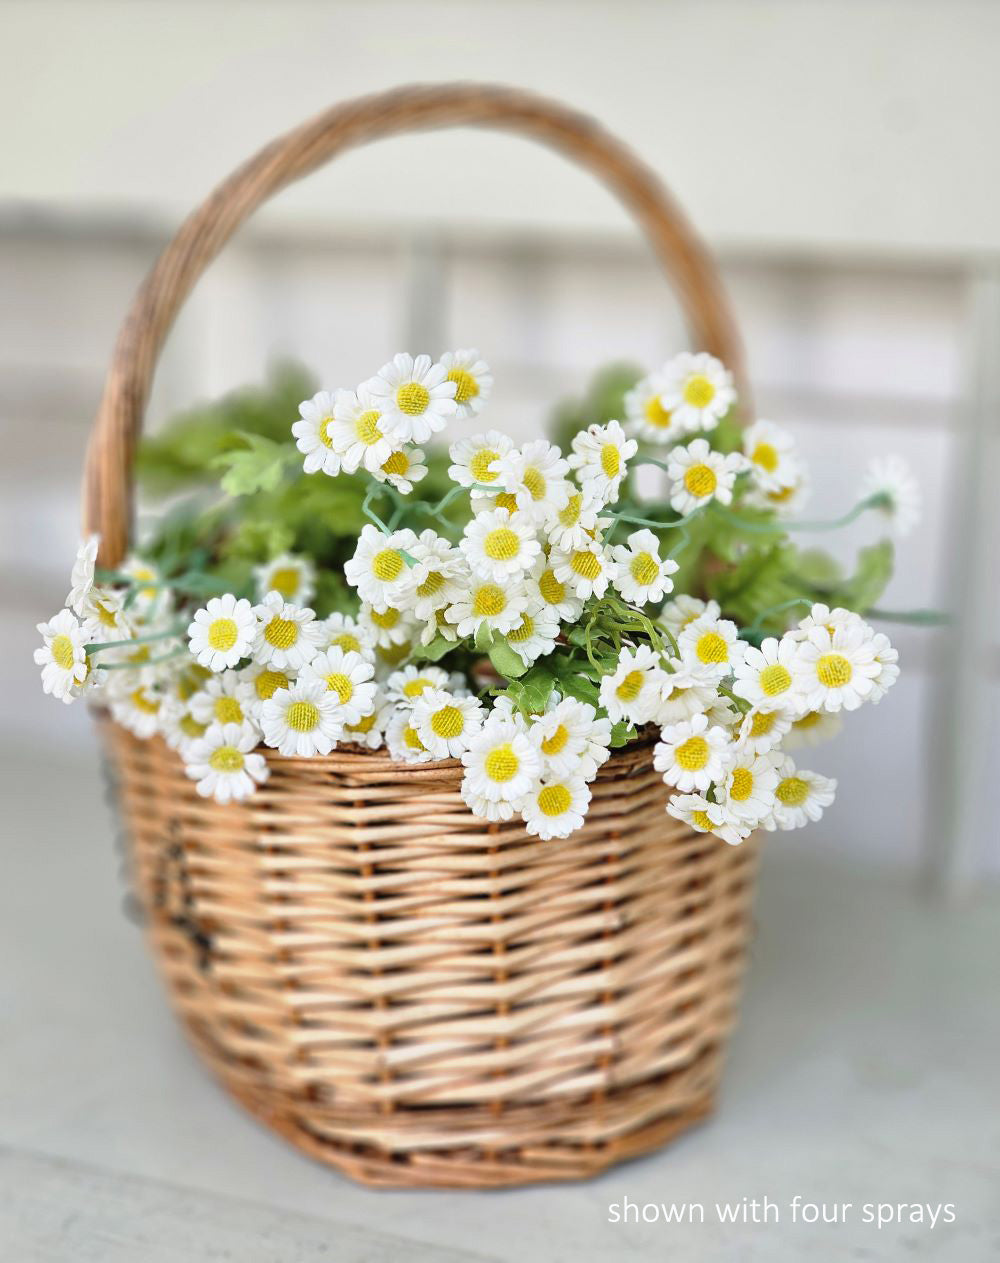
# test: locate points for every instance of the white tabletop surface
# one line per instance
(865, 1070)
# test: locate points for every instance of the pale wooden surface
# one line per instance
(864, 1070)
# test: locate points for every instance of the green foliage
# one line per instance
(257, 465)
(871, 574)
(601, 402)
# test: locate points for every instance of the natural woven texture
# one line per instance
(420, 998)
(108, 482)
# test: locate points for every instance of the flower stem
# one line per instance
(369, 512)
(917, 618)
(97, 646)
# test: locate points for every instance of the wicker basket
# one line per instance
(402, 990)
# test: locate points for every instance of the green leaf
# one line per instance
(434, 651)
(257, 466)
(505, 660)
(817, 568)
(871, 574)
(484, 638)
(621, 733)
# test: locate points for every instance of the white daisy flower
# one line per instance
(312, 435)
(682, 610)
(697, 391)
(577, 523)
(693, 754)
(222, 632)
(62, 657)
(303, 719)
(750, 784)
(647, 417)
(445, 723)
(700, 474)
(498, 545)
(639, 574)
(558, 598)
(473, 381)
(387, 626)
(403, 469)
(812, 728)
(357, 434)
(494, 812)
(634, 690)
(535, 475)
(345, 633)
(138, 710)
(834, 671)
(822, 616)
(763, 730)
(571, 739)
(405, 686)
(415, 396)
(600, 457)
(224, 699)
(293, 578)
(488, 604)
(887, 659)
(438, 577)
(178, 725)
(683, 695)
(349, 677)
(378, 568)
(476, 460)
(901, 501)
(785, 501)
(501, 763)
(800, 796)
(146, 600)
(706, 817)
(287, 635)
(586, 571)
(711, 646)
(556, 806)
(770, 451)
(765, 676)
(535, 635)
(223, 764)
(403, 740)
(104, 615)
(369, 731)
(82, 575)
(261, 683)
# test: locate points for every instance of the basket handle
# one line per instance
(107, 490)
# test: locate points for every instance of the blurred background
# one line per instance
(838, 157)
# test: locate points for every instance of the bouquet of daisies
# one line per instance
(532, 618)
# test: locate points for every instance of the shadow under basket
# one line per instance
(417, 997)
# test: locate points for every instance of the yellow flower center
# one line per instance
(141, 701)
(366, 427)
(63, 653)
(302, 716)
(190, 727)
(106, 616)
(698, 391)
(222, 633)
(340, 684)
(808, 721)
(191, 681)
(479, 466)
(762, 723)
(775, 679)
(611, 460)
(282, 633)
(834, 671)
(386, 619)
(766, 456)
(448, 722)
(394, 653)
(700, 480)
(433, 583)
(411, 738)
(363, 725)
(413, 688)
(571, 514)
(501, 764)
(466, 386)
(551, 589)
(742, 784)
(630, 687)
(324, 431)
(534, 480)
(554, 800)
(346, 641)
(228, 710)
(502, 544)
(693, 754)
(782, 496)
(524, 632)
(387, 565)
(226, 759)
(656, 414)
(703, 820)
(711, 647)
(268, 682)
(644, 569)
(555, 743)
(586, 564)
(489, 601)
(397, 463)
(412, 398)
(792, 791)
(506, 500)
(286, 581)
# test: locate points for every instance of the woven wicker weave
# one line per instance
(407, 992)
